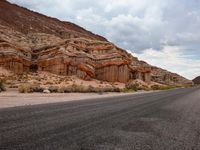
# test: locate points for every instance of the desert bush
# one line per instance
(24, 89)
(91, 89)
(87, 89)
(126, 90)
(53, 89)
(36, 89)
(155, 87)
(61, 90)
(2, 85)
(68, 89)
(116, 90)
(132, 86)
(162, 87)
(82, 89)
(103, 89)
(188, 86)
(79, 88)
(99, 90)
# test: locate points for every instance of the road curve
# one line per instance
(166, 120)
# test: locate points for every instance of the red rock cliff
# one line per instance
(30, 41)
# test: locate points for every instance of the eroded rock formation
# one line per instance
(91, 59)
(33, 42)
(165, 77)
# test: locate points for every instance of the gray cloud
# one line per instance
(131, 24)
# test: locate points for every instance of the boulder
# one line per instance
(46, 91)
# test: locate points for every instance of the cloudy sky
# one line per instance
(164, 33)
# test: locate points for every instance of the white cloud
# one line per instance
(174, 59)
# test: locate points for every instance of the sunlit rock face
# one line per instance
(31, 42)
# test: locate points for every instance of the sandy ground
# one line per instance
(13, 98)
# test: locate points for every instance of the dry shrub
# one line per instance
(24, 88)
(136, 85)
(162, 87)
(61, 90)
(78, 88)
(36, 88)
(132, 86)
(74, 88)
(86, 89)
(54, 89)
(2, 85)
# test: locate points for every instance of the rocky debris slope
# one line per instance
(31, 42)
(196, 80)
(26, 21)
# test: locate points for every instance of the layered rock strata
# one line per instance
(31, 42)
(91, 59)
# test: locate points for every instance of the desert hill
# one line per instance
(31, 42)
(196, 80)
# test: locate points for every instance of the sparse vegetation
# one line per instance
(136, 85)
(53, 89)
(132, 86)
(125, 90)
(74, 88)
(36, 89)
(61, 90)
(2, 85)
(24, 88)
(163, 87)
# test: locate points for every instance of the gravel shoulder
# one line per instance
(14, 99)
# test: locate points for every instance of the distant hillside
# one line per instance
(196, 80)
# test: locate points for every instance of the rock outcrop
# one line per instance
(31, 42)
(196, 80)
(168, 78)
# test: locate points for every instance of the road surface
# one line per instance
(166, 120)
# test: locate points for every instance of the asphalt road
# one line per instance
(166, 120)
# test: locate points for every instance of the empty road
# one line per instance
(166, 120)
